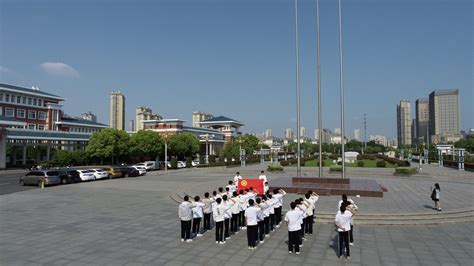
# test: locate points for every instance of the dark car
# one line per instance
(129, 171)
(69, 176)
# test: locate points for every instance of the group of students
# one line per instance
(345, 225)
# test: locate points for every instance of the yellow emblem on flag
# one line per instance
(243, 183)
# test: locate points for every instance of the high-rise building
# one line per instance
(131, 125)
(357, 134)
(444, 116)
(89, 116)
(143, 113)
(326, 135)
(303, 132)
(289, 134)
(422, 119)
(268, 133)
(337, 131)
(413, 131)
(378, 139)
(404, 123)
(117, 110)
(199, 117)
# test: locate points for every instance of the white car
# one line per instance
(147, 165)
(194, 163)
(181, 164)
(86, 175)
(99, 173)
(141, 169)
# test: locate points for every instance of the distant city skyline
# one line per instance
(237, 58)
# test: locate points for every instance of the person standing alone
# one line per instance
(435, 196)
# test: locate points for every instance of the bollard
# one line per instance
(42, 184)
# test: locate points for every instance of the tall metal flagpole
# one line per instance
(341, 88)
(320, 119)
(298, 168)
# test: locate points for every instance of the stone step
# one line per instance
(404, 222)
(418, 216)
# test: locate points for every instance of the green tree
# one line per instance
(231, 150)
(109, 143)
(467, 144)
(250, 143)
(146, 144)
(183, 145)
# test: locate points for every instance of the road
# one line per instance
(9, 182)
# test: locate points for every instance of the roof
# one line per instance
(46, 135)
(79, 121)
(203, 130)
(5, 120)
(221, 119)
(445, 92)
(30, 91)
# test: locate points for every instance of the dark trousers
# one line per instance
(278, 215)
(196, 225)
(220, 231)
(293, 241)
(272, 221)
(309, 224)
(226, 227)
(207, 221)
(242, 218)
(252, 235)
(351, 236)
(186, 229)
(344, 239)
(234, 223)
(261, 230)
(266, 221)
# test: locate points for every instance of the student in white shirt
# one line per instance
(303, 207)
(251, 216)
(278, 196)
(293, 218)
(231, 187)
(237, 178)
(227, 216)
(265, 188)
(235, 211)
(263, 177)
(219, 215)
(261, 219)
(243, 202)
(207, 209)
(311, 198)
(185, 215)
(221, 192)
(350, 203)
(343, 223)
(197, 215)
(266, 215)
(251, 194)
(272, 202)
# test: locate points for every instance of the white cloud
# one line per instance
(6, 70)
(59, 69)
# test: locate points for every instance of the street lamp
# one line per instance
(166, 153)
(207, 137)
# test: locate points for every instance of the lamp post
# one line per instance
(320, 119)
(341, 89)
(298, 118)
(166, 154)
(207, 137)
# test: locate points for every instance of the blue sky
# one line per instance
(237, 58)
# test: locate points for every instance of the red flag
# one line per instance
(256, 184)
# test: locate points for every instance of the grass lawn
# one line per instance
(367, 163)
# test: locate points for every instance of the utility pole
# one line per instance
(365, 132)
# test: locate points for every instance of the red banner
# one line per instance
(256, 184)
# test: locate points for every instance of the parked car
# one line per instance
(128, 171)
(69, 176)
(149, 165)
(113, 172)
(195, 163)
(37, 178)
(99, 173)
(86, 175)
(181, 164)
(140, 169)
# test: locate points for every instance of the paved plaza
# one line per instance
(133, 221)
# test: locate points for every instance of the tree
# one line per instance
(467, 144)
(146, 144)
(183, 145)
(109, 143)
(231, 150)
(250, 143)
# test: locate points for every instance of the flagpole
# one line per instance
(341, 89)
(298, 122)
(320, 119)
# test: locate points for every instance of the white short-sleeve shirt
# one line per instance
(293, 218)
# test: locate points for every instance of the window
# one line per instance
(32, 126)
(1, 111)
(40, 127)
(24, 100)
(30, 101)
(31, 114)
(7, 97)
(20, 113)
(35, 101)
(1, 97)
(41, 115)
(18, 99)
(10, 112)
(40, 102)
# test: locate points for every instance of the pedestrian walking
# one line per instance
(435, 196)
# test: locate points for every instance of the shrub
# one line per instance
(274, 168)
(212, 159)
(469, 166)
(381, 164)
(333, 156)
(317, 163)
(335, 168)
(202, 159)
(202, 165)
(360, 163)
(284, 163)
(405, 170)
(293, 161)
(302, 162)
(174, 163)
(189, 163)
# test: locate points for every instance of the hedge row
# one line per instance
(274, 168)
(393, 161)
(405, 170)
